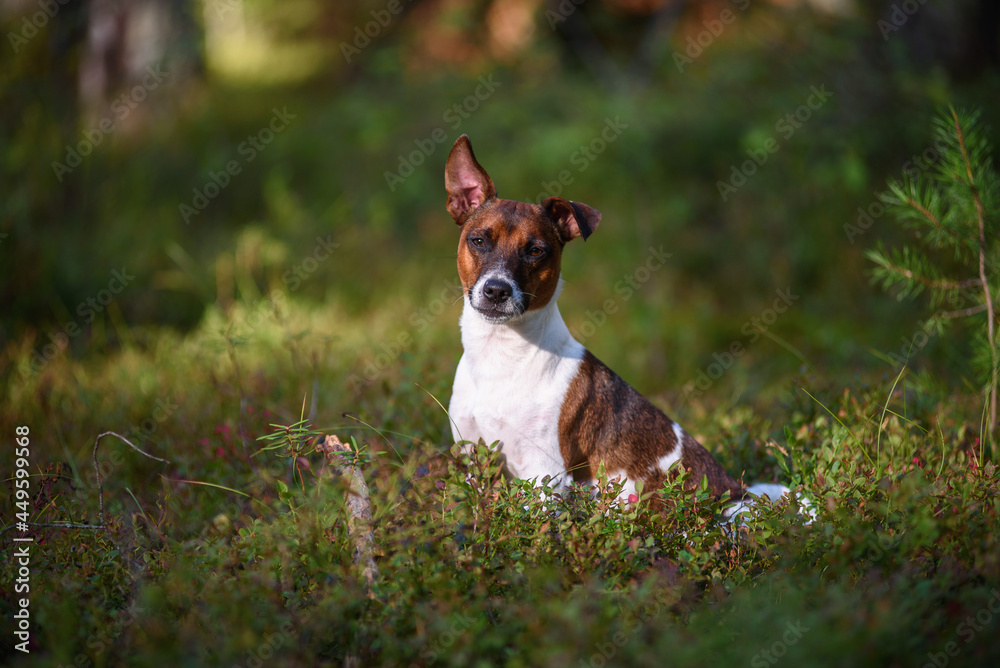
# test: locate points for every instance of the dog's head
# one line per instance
(509, 252)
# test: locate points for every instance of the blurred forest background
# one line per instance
(222, 216)
(210, 149)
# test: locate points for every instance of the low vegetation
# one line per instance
(237, 551)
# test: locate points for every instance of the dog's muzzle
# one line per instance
(497, 298)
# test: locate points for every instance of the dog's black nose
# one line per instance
(497, 291)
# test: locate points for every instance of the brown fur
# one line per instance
(516, 228)
(605, 420)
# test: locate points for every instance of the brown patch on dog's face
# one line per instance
(509, 252)
(514, 243)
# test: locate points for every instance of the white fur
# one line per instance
(772, 493)
(674, 456)
(510, 386)
(628, 485)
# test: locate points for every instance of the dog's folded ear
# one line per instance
(573, 218)
(467, 183)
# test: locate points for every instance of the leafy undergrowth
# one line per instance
(238, 553)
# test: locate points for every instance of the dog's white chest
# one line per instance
(510, 387)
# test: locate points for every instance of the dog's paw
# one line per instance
(773, 493)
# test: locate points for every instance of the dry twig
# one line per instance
(100, 488)
(359, 509)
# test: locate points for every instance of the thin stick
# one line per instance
(972, 310)
(97, 469)
(56, 525)
(359, 509)
(100, 490)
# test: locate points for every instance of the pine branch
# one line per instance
(965, 154)
(912, 272)
(927, 214)
(958, 208)
(936, 284)
(991, 317)
(951, 315)
(920, 208)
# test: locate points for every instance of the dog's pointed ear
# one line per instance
(467, 183)
(573, 218)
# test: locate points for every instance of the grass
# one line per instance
(238, 550)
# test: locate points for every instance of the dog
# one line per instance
(554, 410)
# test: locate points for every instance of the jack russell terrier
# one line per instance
(523, 380)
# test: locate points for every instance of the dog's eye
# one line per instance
(478, 242)
(536, 251)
